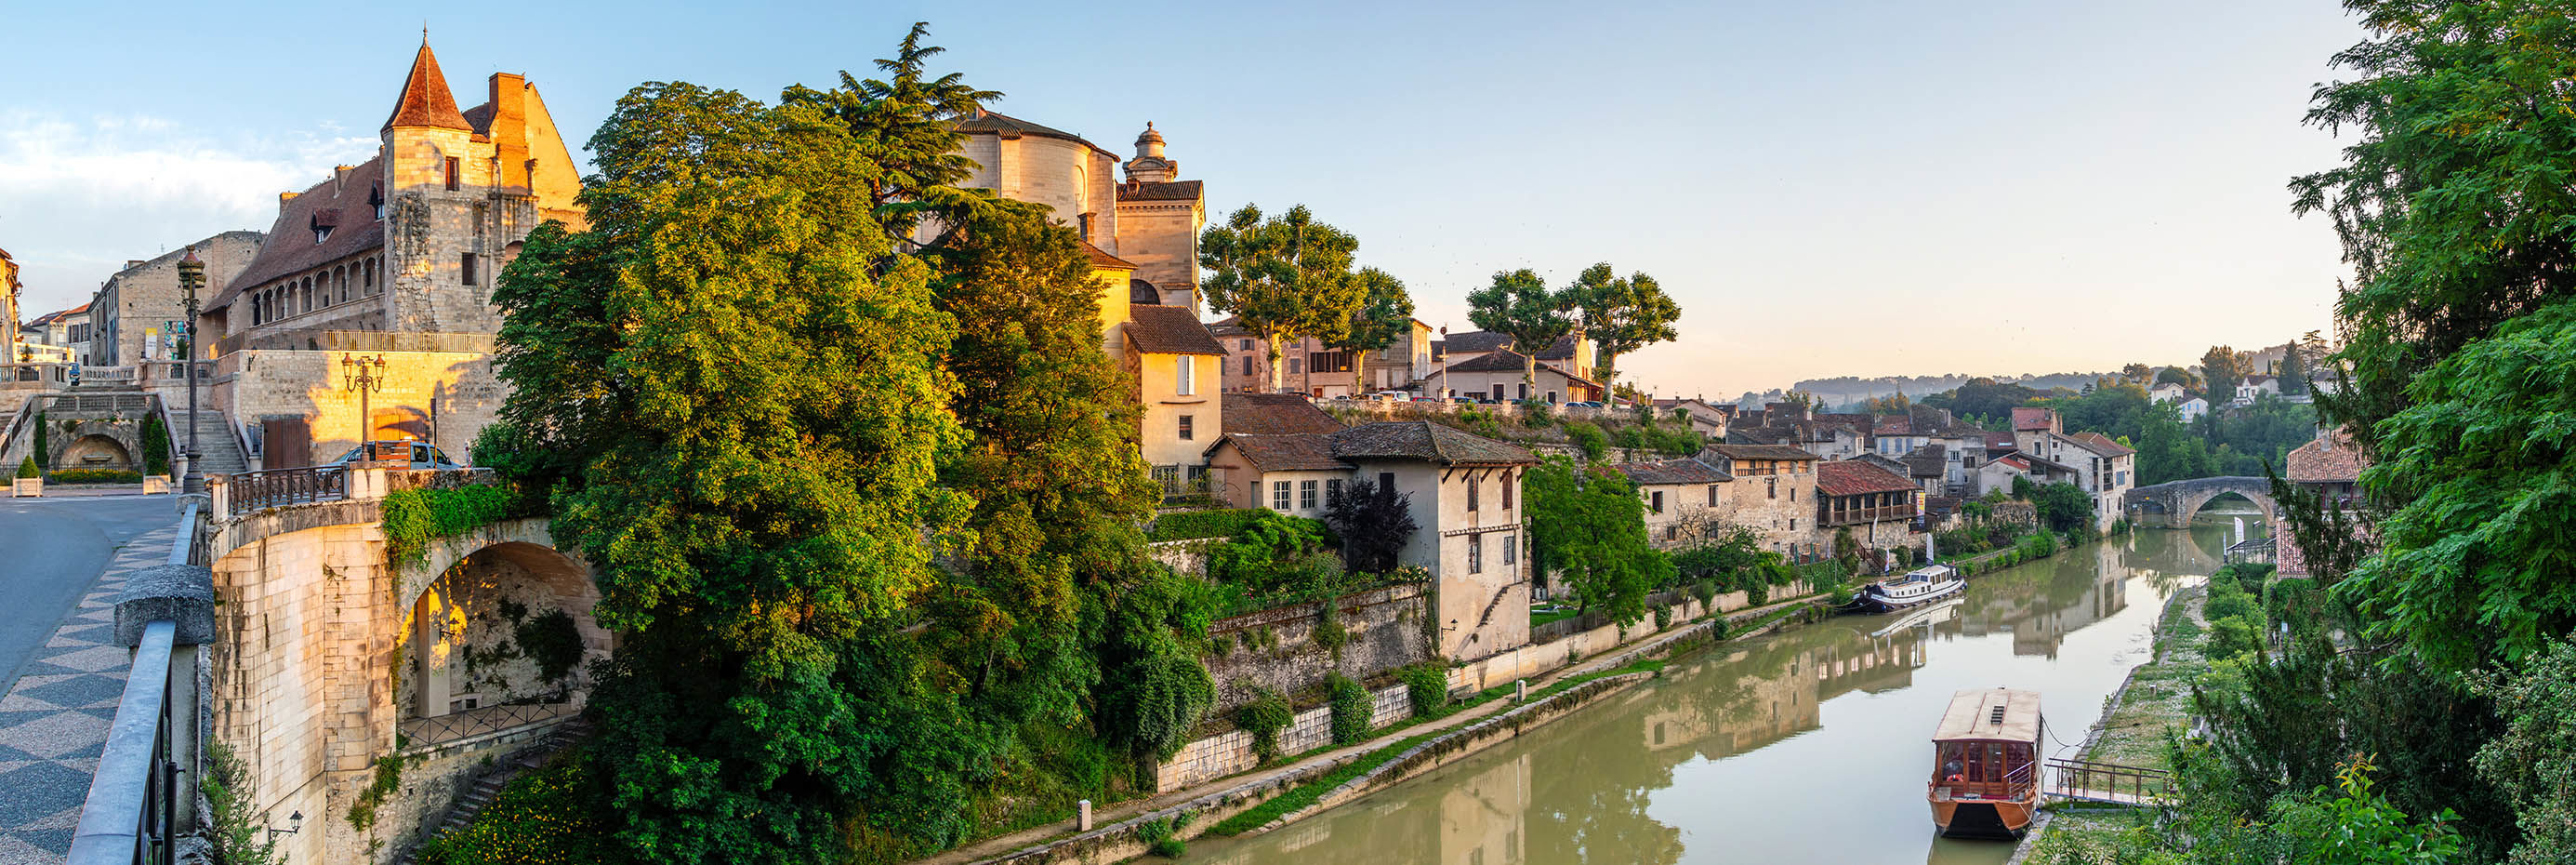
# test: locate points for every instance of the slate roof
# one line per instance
(1853, 478)
(2100, 444)
(1507, 360)
(1680, 471)
(1735, 451)
(1275, 414)
(1477, 340)
(290, 249)
(1168, 330)
(1231, 326)
(2329, 459)
(425, 99)
(1175, 190)
(1928, 461)
(1425, 441)
(1284, 453)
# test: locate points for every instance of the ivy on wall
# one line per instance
(413, 517)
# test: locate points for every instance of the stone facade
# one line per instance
(1275, 649)
(133, 312)
(443, 397)
(1231, 752)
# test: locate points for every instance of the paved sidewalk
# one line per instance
(54, 721)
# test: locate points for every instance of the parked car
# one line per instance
(1391, 396)
(398, 453)
(1583, 404)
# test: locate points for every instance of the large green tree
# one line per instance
(1622, 314)
(1588, 528)
(1519, 305)
(1286, 277)
(1383, 320)
(2224, 368)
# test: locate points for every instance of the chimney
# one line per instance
(283, 198)
(133, 263)
(339, 177)
(508, 127)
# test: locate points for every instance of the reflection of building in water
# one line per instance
(2042, 602)
(1760, 710)
(2108, 593)
(1480, 817)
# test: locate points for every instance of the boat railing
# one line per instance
(2018, 784)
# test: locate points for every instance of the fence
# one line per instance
(2108, 782)
(144, 792)
(452, 726)
(253, 491)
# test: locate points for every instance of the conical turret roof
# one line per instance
(426, 101)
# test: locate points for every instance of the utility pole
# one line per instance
(192, 276)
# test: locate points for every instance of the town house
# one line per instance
(1503, 374)
(1877, 506)
(1773, 493)
(1683, 500)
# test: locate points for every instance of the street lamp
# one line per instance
(192, 276)
(365, 375)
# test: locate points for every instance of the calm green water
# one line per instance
(1804, 746)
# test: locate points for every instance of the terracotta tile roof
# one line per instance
(1176, 190)
(1006, 126)
(2100, 444)
(1895, 425)
(1680, 471)
(1231, 326)
(1104, 261)
(1853, 478)
(1275, 414)
(290, 249)
(1476, 340)
(425, 99)
(1284, 453)
(1999, 441)
(1735, 451)
(2031, 418)
(1168, 330)
(1759, 436)
(1424, 440)
(2329, 459)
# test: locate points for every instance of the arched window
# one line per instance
(1140, 291)
(340, 283)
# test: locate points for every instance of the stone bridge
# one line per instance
(2177, 502)
(367, 691)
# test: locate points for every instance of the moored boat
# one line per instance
(1915, 588)
(1985, 764)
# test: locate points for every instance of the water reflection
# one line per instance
(1805, 746)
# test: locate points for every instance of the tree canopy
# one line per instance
(1621, 313)
(1519, 305)
(1286, 277)
(1590, 527)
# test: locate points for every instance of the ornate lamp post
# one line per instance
(192, 276)
(365, 375)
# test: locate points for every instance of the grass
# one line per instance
(2159, 693)
(1305, 794)
(1537, 618)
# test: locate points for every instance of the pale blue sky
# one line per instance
(1847, 188)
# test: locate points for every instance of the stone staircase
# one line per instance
(487, 787)
(222, 450)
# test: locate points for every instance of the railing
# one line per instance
(1869, 515)
(1189, 483)
(2015, 786)
(452, 726)
(75, 403)
(2108, 782)
(142, 795)
(254, 491)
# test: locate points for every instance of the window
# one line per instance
(1247, 364)
(1511, 549)
(1793, 524)
(1306, 495)
(1672, 532)
(1475, 554)
(1656, 502)
(1712, 495)
(1524, 390)
(1509, 483)
(1551, 396)
(321, 234)
(1185, 426)
(1332, 489)
(1247, 346)
(467, 268)
(1185, 380)
(455, 174)
(1471, 492)
(1775, 489)
(1793, 494)
(1279, 495)
(1296, 366)
(1498, 393)
(1386, 484)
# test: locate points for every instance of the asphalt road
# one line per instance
(51, 551)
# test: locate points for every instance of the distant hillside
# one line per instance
(1842, 390)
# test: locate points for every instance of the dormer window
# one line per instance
(376, 199)
(323, 220)
(321, 234)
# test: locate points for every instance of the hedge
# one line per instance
(97, 476)
(1192, 525)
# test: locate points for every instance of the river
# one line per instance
(1809, 745)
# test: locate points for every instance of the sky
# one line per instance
(1827, 188)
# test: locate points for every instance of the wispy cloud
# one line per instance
(80, 195)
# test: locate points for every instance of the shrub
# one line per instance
(1705, 591)
(2229, 638)
(1587, 438)
(553, 641)
(1427, 683)
(546, 815)
(1663, 617)
(27, 468)
(1352, 709)
(1263, 717)
(1373, 525)
(156, 445)
(1192, 525)
(1270, 551)
(97, 476)
(1329, 632)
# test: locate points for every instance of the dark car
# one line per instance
(398, 453)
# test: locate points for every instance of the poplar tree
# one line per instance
(1287, 277)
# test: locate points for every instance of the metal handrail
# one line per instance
(254, 491)
(2139, 779)
(130, 815)
(475, 722)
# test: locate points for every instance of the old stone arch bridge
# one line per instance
(369, 692)
(2175, 503)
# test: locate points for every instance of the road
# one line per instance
(51, 551)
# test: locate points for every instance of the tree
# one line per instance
(2533, 761)
(1374, 525)
(2224, 368)
(1519, 305)
(2137, 373)
(1621, 314)
(906, 124)
(1590, 527)
(2177, 375)
(2294, 371)
(1384, 320)
(2062, 507)
(1285, 278)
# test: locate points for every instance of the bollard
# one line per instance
(1082, 816)
(1520, 690)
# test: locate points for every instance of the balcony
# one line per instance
(1853, 516)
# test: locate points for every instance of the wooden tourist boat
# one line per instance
(1985, 764)
(1917, 587)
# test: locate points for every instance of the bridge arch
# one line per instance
(2179, 501)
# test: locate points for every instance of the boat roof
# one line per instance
(1990, 715)
(1929, 571)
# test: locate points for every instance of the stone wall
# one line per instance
(1276, 648)
(254, 386)
(1231, 752)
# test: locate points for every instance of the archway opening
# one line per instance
(2225, 508)
(95, 451)
(502, 639)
